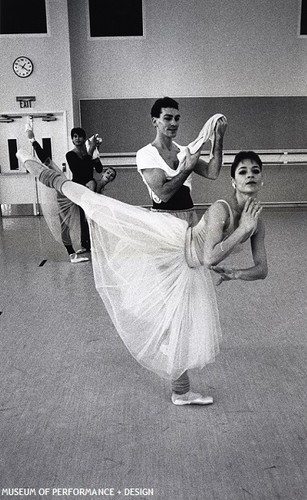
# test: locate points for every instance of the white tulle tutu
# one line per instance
(164, 311)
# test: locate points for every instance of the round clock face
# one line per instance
(23, 66)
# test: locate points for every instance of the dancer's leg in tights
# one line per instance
(85, 232)
(65, 233)
(182, 384)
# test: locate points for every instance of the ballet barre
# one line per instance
(268, 157)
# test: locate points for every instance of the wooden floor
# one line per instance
(77, 411)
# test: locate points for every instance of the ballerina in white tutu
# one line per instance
(153, 272)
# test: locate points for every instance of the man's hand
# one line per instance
(189, 162)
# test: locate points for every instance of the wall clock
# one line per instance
(23, 66)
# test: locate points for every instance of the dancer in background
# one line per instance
(152, 270)
(108, 175)
(63, 216)
(82, 161)
(170, 186)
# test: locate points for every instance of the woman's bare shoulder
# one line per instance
(220, 207)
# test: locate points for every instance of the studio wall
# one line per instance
(261, 123)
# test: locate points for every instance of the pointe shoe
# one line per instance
(75, 259)
(191, 398)
(29, 130)
(30, 135)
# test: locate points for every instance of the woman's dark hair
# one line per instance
(244, 155)
(79, 131)
(164, 102)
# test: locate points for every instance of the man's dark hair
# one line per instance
(164, 102)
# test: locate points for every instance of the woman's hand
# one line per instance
(225, 274)
(98, 141)
(94, 142)
(250, 215)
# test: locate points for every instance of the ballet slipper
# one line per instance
(30, 135)
(29, 130)
(191, 398)
(75, 259)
